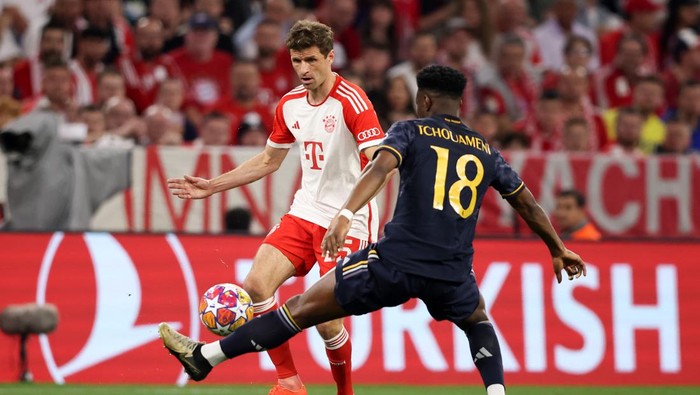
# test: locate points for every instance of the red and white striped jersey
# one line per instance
(330, 136)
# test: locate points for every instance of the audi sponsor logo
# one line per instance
(368, 134)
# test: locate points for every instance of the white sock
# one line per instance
(496, 389)
(264, 306)
(338, 340)
(213, 353)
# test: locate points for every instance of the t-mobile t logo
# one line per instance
(313, 151)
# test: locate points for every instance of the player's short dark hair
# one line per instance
(442, 80)
(573, 193)
(306, 34)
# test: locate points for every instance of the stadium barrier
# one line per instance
(627, 197)
(632, 321)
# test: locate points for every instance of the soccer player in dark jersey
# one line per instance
(446, 169)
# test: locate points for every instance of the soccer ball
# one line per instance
(224, 308)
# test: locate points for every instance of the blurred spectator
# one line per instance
(688, 110)
(578, 52)
(28, 72)
(215, 130)
(376, 61)
(677, 141)
(628, 129)
(510, 87)
(434, 14)
(379, 28)
(244, 98)
(276, 72)
(162, 128)
(340, 16)
(616, 80)
(576, 136)
(686, 65)
(215, 9)
(552, 35)
(642, 19)
(93, 117)
(455, 46)
(237, 220)
(570, 216)
(56, 89)
(400, 102)
(423, 52)
(597, 17)
(573, 91)
(682, 15)
(252, 133)
(204, 68)
(109, 84)
(146, 67)
(544, 129)
(92, 46)
(486, 124)
(514, 141)
(171, 15)
(647, 100)
(12, 25)
(124, 127)
(477, 16)
(512, 20)
(280, 11)
(67, 14)
(7, 84)
(207, 10)
(107, 16)
(171, 94)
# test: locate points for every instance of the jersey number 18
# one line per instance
(456, 188)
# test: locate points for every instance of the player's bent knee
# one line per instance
(330, 329)
(257, 288)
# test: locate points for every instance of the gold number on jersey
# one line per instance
(455, 190)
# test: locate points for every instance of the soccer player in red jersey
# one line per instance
(336, 129)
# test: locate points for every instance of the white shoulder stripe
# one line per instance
(352, 102)
(356, 94)
(295, 91)
(356, 97)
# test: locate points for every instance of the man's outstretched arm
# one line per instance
(535, 217)
(372, 180)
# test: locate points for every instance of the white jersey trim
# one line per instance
(368, 144)
(279, 145)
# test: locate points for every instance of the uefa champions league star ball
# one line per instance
(224, 308)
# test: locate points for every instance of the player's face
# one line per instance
(312, 68)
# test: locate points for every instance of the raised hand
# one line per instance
(190, 187)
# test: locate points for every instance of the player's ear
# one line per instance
(331, 56)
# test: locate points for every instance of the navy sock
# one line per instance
(486, 353)
(262, 333)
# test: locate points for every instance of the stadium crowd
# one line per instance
(619, 76)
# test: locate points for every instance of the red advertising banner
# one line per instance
(633, 320)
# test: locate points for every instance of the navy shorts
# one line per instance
(365, 283)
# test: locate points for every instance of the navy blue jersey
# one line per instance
(446, 169)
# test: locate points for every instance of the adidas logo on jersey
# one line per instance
(482, 353)
(296, 125)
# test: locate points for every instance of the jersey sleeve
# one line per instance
(397, 140)
(506, 180)
(281, 136)
(360, 117)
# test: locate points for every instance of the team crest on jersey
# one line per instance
(329, 123)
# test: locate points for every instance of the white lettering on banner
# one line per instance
(628, 317)
(533, 317)
(582, 320)
(557, 176)
(678, 189)
(398, 322)
(490, 285)
(596, 195)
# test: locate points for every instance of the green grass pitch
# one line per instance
(50, 389)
